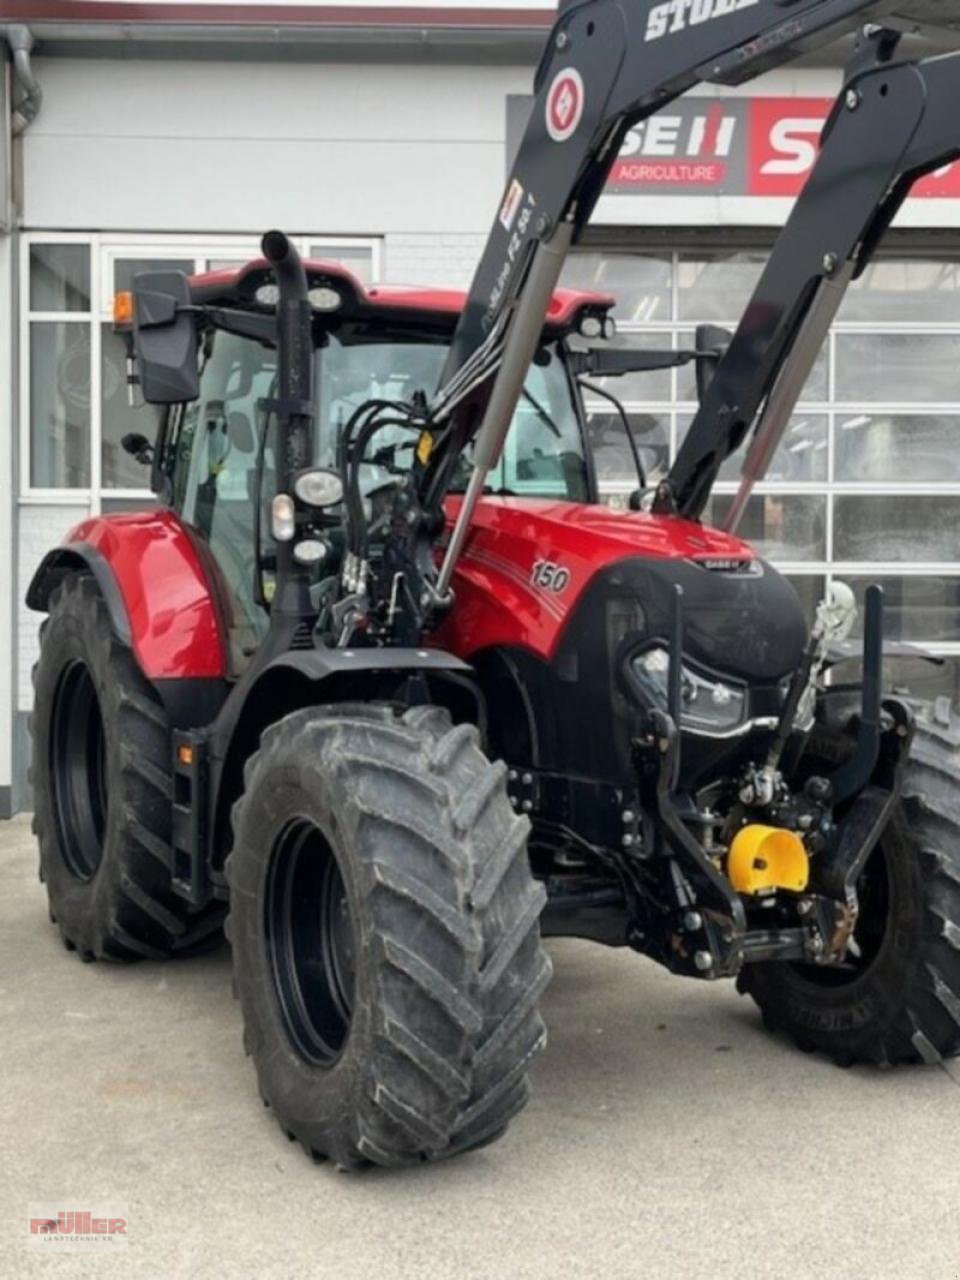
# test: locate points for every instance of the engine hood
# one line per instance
(528, 564)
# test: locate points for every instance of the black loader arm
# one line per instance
(608, 64)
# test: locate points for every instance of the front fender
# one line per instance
(153, 580)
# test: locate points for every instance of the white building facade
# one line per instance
(381, 135)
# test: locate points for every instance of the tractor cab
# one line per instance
(215, 460)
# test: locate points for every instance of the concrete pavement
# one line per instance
(668, 1136)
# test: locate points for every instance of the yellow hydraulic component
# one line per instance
(762, 858)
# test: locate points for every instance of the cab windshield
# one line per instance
(543, 455)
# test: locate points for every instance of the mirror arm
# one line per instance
(599, 391)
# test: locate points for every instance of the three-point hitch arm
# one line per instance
(610, 64)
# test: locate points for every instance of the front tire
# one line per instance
(385, 934)
(899, 1001)
(103, 788)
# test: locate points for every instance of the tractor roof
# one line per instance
(253, 285)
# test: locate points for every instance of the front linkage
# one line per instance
(724, 907)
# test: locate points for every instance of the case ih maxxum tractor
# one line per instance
(384, 680)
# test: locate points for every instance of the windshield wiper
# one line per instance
(542, 413)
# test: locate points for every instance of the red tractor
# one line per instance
(385, 680)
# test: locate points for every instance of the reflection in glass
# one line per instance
(779, 526)
(124, 269)
(119, 470)
(640, 284)
(896, 528)
(717, 286)
(912, 368)
(905, 290)
(654, 384)
(59, 277)
(356, 258)
(612, 455)
(59, 404)
(915, 608)
(883, 447)
(801, 457)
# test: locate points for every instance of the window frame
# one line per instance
(673, 410)
(105, 248)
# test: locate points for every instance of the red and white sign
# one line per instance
(738, 147)
(564, 104)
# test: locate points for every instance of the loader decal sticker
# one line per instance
(565, 104)
(676, 15)
(511, 203)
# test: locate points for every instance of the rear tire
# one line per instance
(385, 934)
(102, 784)
(903, 1002)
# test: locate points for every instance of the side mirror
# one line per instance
(711, 343)
(165, 338)
(138, 446)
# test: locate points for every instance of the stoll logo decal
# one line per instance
(66, 1226)
(565, 104)
(676, 15)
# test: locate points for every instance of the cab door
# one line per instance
(214, 479)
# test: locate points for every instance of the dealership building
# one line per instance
(175, 133)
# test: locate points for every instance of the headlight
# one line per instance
(708, 706)
(319, 487)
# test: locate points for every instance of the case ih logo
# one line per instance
(564, 104)
(736, 147)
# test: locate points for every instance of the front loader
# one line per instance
(384, 683)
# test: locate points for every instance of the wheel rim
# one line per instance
(310, 942)
(78, 770)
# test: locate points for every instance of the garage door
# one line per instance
(866, 484)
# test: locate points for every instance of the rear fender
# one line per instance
(72, 558)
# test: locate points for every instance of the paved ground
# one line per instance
(668, 1136)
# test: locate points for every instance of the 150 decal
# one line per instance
(549, 576)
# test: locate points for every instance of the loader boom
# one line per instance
(608, 65)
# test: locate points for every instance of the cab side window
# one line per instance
(215, 476)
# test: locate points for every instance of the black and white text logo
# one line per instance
(676, 15)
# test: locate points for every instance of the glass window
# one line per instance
(801, 457)
(915, 609)
(914, 676)
(903, 290)
(358, 258)
(892, 447)
(892, 527)
(641, 283)
(59, 277)
(716, 286)
(124, 269)
(59, 404)
(656, 384)
(118, 417)
(909, 368)
(120, 506)
(780, 526)
(612, 455)
(817, 386)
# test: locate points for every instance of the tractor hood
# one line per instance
(543, 575)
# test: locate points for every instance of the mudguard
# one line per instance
(152, 576)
